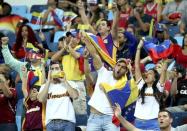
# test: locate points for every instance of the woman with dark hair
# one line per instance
(149, 101)
(24, 37)
(180, 54)
(7, 103)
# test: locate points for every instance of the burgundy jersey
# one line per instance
(34, 116)
(152, 11)
(7, 107)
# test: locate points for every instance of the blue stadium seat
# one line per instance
(38, 8)
(179, 39)
(179, 119)
(58, 34)
(28, 16)
(19, 9)
(173, 30)
(12, 38)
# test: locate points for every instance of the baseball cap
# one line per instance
(159, 27)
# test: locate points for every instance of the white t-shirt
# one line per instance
(148, 110)
(180, 128)
(58, 106)
(99, 100)
(59, 13)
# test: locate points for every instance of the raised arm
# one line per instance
(96, 58)
(59, 54)
(72, 51)
(42, 95)
(114, 29)
(138, 74)
(123, 121)
(9, 59)
(173, 90)
(163, 72)
(84, 17)
(24, 82)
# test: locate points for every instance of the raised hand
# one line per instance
(4, 40)
(117, 110)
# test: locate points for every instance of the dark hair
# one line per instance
(61, 38)
(31, 39)
(7, 76)
(157, 94)
(169, 113)
(108, 22)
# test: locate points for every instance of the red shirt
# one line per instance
(179, 56)
(123, 20)
(151, 11)
(7, 107)
(33, 116)
(20, 53)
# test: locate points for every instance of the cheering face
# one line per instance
(149, 76)
(24, 32)
(164, 120)
(102, 27)
(33, 94)
(120, 70)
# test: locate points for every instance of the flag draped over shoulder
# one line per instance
(125, 93)
(10, 22)
(98, 43)
(158, 52)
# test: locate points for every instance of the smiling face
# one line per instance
(164, 120)
(120, 70)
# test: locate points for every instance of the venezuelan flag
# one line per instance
(36, 18)
(98, 43)
(125, 93)
(158, 52)
(69, 16)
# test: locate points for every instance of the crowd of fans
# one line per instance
(67, 89)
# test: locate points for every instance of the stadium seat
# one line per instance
(38, 8)
(28, 16)
(179, 39)
(19, 9)
(58, 34)
(173, 30)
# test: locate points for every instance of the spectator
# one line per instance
(24, 37)
(173, 11)
(150, 100)
(102, 110)
(140, 20)
(127, 45)
(57, 93)
(108, 35)
(5, 9)
(34, 113)
(164, 118)
(70, 54)
(153, 9)
(8, 99)
(180, 54)
(179, 88)
(34, 63)
(125, 12)
(52, 19)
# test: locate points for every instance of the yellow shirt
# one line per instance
(71, 68)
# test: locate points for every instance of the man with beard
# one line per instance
(101, 111)
(140, 20)
(57, 94)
